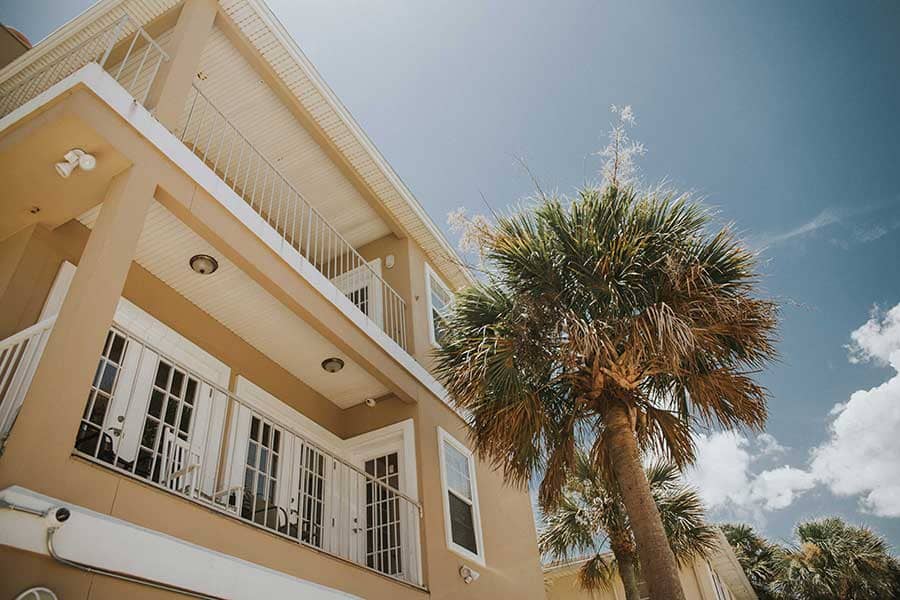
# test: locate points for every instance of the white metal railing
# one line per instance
(19, 357)
(153, 418)
(123, 49)
(212, 137)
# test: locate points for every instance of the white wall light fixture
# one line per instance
(468, 574)
(74, 158)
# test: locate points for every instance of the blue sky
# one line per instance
(782, 115)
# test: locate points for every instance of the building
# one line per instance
(718, 578)
(217, 305)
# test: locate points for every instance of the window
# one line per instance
(462, 520)
(439, 300)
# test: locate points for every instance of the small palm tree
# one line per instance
(761, 561)
(617, 317)
(590, 515)
(837, 561)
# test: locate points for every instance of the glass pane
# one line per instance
(251, 453)
(177, 383)
(457, 471)
(148, 439)
(462, 524)
(254, 429)
(109, 377)
(191, 391)
(162, 375)
(99, 411)
(274, 469)
(156, 402)
(276, 441)
(115, 353)
(185, 424)
(171, 411)
(263, 459)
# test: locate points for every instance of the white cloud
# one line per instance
(769, 446)
(860, 457)
(720, 473)
(777, 488)
(823, 219)
(725, 480)
(877, 338)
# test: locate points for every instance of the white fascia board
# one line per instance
(121, 546)
(102, 85)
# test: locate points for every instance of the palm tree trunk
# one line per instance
(628, 575)
(658, 565)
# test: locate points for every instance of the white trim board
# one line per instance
(122, 546)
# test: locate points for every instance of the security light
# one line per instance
(76, 157)
(468, 574)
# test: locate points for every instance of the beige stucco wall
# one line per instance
(512, 561)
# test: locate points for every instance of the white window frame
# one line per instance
(430, 278)
(446, 438)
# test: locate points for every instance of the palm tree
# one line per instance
(761, 561)
(615, 317)
(590, 515)
(837, 561)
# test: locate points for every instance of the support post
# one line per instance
(169, 91)
(44, 432)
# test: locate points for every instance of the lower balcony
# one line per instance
(244, 454)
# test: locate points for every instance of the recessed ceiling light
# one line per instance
(333, 364)
(204, 264)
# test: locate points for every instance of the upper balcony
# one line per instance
(133, 58)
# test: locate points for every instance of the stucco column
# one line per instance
(173, 82)
(44, 433)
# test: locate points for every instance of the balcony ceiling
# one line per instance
(231, 297)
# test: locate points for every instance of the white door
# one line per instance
(363, 287)
(384, 514)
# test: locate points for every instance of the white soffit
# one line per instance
(231, 297)
(235, 88)
(265, 33)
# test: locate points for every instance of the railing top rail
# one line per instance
(300, 195)
(28, 332)
(275, 420)
(116, 26)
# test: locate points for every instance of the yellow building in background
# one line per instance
(720, 577)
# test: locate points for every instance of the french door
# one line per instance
(383, 517)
